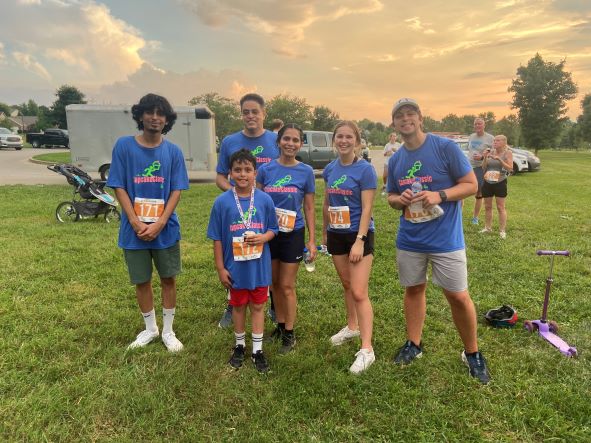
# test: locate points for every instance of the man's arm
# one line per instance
(138, 226)
(222, 182)
(464, 187)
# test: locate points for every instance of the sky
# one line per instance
(355, 56)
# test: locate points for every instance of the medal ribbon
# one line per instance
(248, 222)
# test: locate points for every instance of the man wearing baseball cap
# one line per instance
(427, 179)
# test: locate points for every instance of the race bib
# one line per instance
(244, 251)
(148, 210)
(285, 219)
(416, 213)
(339, 216)
(492, 176)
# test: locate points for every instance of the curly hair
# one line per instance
(149, 102)
(243, 156)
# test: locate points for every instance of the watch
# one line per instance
(443, 196)
(363, 238)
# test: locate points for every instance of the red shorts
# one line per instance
(241, 297)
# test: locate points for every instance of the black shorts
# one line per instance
(341, 244)
(288, 247)
(494, 189)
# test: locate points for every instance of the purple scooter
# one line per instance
(547, 329)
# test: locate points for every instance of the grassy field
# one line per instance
(54, 157)
(68, 314)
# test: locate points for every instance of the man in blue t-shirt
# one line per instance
(260, 142)
(427, 179)
(148, 174)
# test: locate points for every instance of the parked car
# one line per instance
(317, 150)
(50, 137)
(10, 140)
(533, 161)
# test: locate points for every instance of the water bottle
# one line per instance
(308, 262)
(416, 186)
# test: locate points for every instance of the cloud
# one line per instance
(415, 24)
(285, 22)
(178, 88)
(66, 39)
(32, 65)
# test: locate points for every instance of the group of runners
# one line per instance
(259, 223)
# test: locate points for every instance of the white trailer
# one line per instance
(95, 128)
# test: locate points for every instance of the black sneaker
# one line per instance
(288, 342)
(237, 357)
(477, 365)
(276, 335)
(260, 362)
(407, 353)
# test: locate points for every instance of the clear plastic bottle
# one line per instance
(416, 186)
(308, 262)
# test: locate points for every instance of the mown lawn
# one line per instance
(68, 314)
(55, 157)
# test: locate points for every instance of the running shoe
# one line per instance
(343, 336)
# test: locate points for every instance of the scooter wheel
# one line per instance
(572, 352)
(529, 326)
(553, 326)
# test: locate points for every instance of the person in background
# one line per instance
(478, 143)
(389, 150)
(497, 165)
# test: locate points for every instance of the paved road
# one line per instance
(16, 169)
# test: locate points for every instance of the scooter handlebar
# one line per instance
(546, 252)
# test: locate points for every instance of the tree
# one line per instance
(540, 92)
(509, 127)
(452, 123)
(324, 119)
(43, 118)
(226, 110)
(431, 125)
(584, 120)
(289, 110)
(66, 95)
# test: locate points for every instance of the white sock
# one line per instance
(257, 342)
(240, 338)
(167, 319)
(150, 320)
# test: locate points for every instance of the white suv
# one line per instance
(519, 160)
(10, 140)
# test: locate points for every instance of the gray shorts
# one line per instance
(448, 268)
(139, 263)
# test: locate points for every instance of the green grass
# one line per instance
(54, 157)
(68, 314)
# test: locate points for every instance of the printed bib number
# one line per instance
(340, 218)
(285, 219)
(244, 251)
(416, 213)
(492, 176)
(148, 210)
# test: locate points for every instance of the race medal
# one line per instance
(492, 176)
(285, 219)
(244, 251)
(339, 217)
(148, 210)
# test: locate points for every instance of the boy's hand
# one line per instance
(225, 278)
(255, 239)
(151, 232)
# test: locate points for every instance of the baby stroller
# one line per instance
(89, 191)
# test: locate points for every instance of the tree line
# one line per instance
(540, 92)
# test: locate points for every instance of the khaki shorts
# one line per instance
(449, 269)
(139, 263)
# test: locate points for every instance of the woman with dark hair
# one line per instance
(351, 184)
(157, 103)
(290, 183)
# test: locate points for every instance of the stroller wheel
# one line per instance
(66, 212)
(112, 215)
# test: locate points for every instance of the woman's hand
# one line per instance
(356, 253)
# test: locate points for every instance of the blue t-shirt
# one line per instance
(344, 185)
(439, 163)
(225, 222)
(287, 186)
(148, 173)
(263, 147)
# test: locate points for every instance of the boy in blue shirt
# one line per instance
(242, 221)
(148, 174)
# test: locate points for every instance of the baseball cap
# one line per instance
(405, 102)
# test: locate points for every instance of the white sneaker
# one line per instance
(172, 343)
(143, 338)
(485, 230)
(503, 235)
(344, 335)
(364, 359)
